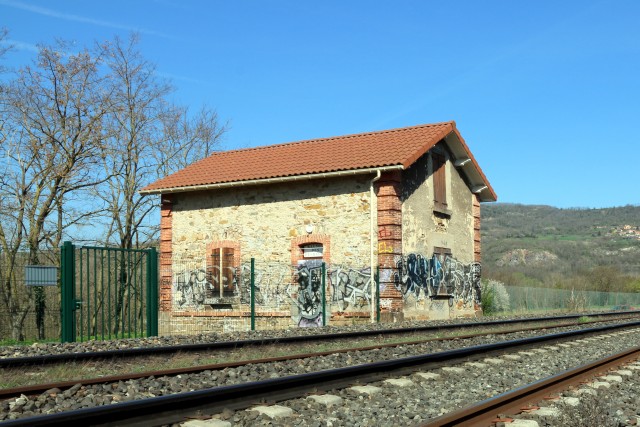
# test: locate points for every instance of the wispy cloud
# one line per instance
(77, 18)
(17, 44)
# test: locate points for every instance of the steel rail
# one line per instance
(224, 345)
(175, 408)
(482, 413)
(8, 393)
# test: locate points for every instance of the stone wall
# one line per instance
(265, 219)
(454, 231)
(271, 222)
(423, 228)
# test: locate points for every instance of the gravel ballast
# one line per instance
(432, 393)
(42, 349)
(393, 405)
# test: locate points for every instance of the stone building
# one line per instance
(404, 202)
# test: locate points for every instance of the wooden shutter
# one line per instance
(227, 272)
(439, 181)
(222, 272)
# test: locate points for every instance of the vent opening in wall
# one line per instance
(312, 251)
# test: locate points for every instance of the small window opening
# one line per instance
(312, 251)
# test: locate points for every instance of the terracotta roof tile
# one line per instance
(401, 146)
(364, 150)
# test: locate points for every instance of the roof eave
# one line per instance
(478, 182)
(273, 180)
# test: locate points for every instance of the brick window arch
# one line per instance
(307, 243)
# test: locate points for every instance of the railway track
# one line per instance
(8, 362)
(491, 411)
(33, 389)
(161, 410)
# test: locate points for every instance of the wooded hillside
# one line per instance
(530, 245)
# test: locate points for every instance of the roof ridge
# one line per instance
(332, 138)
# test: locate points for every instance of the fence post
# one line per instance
(253, 296)
(152, 292)
(68, 294)
(324, 293)
(377, 294)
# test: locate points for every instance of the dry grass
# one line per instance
(592, 411)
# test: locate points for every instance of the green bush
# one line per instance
(495, 297)
(487, 299)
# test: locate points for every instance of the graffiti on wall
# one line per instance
(272, 286)
(191, 288)
(309, 293)
(350, 287)
(279, 287)
(195, 287)
(298, 289)
(419, 277)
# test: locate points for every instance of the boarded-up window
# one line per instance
(439, 181)
(222, 272)
(441, 253)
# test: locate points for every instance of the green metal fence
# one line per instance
(108, 293)
(523, 299)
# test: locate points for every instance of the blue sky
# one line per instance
(546, 93)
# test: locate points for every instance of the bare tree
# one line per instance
(4, 46)
(50, 142)
(147, 137)
(80, 135)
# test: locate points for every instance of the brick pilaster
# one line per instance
(166, 240)
(477, 254)
(388, 191)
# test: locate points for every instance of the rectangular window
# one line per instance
(439, 181)
(222, 272)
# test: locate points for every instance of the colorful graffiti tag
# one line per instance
(419, 277)
(298, 289)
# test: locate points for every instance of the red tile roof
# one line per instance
(399, 147)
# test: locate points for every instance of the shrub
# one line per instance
(495, 298)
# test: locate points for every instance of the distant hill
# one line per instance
(547, 246)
